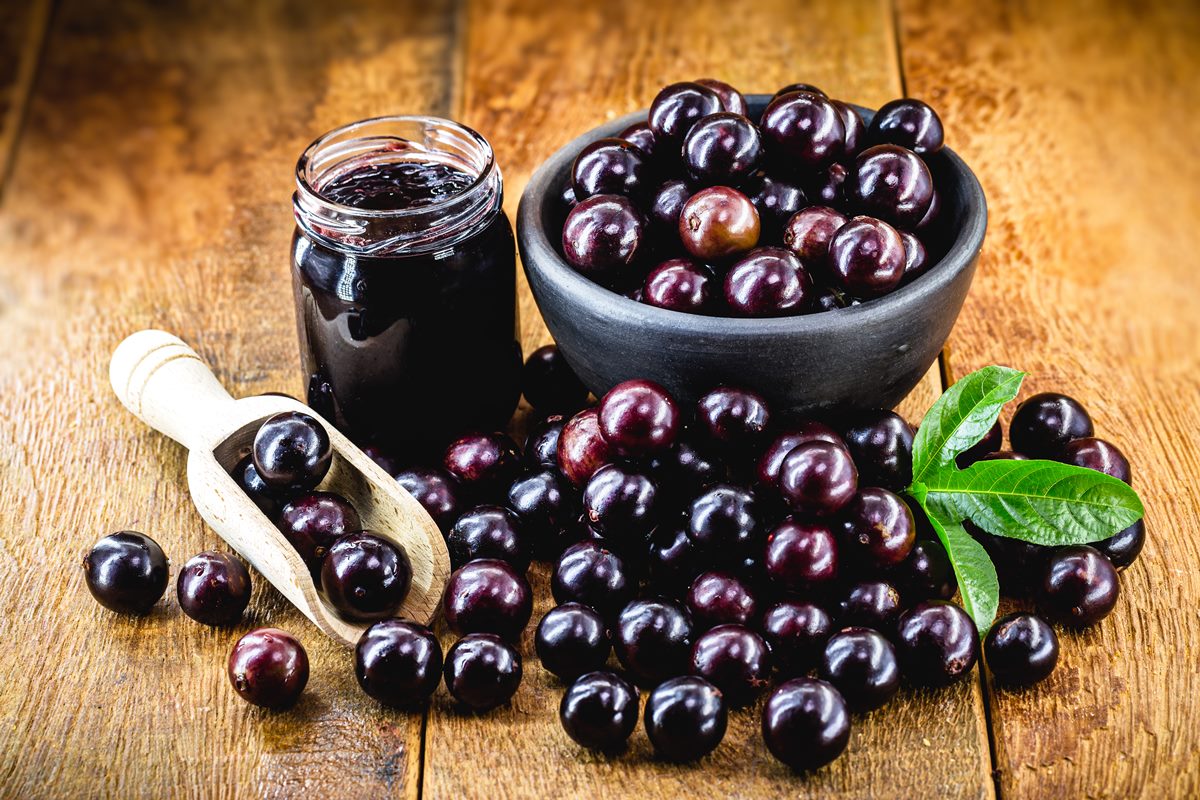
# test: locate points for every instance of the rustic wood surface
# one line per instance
(145, 169)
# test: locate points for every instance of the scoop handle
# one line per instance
(167, 386)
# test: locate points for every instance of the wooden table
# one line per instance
(146, 154)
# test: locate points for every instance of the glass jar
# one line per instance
(404, 277)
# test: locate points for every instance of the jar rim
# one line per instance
(303, 164)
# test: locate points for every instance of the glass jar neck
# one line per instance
(419, 229)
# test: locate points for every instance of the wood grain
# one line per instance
(22, 33)
(1079, 119)
(559, 70)
(152, 187)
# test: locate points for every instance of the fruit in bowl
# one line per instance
(787, 243)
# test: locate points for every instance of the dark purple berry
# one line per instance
(733, 418)
(663, 216)
(313, 522)
(797, 632)
(541, 445)
(482, 671)
(767, 282)
(487, 596)
(776, 201)
(269, 668)
(488, 532)
(719, 224)
(677, 108)
(892, 184)
(818, 478)
(680, 284)
(828, 187)
(927, 574)
(881, 442)
(804, 131)
(266, 497)
(866, 257)
(856, 129)
(126, 572)
(652, 639)
(916, 257)
(640, 136)
(718, 598)
(599, 711)
(861, 664)
(292, 451)
(483, 463)
(435, 490)
(735, 659)
(1098, 454)
(589, 573)
(808, 233)
(1080, 586)
(722, 149)
(871, 604)
(937, 643)
(398, 663)
(620, 503)
(805, 723)
(801, 556)
(582, 449)
(879, 530)
(572, 639)
(549, 383)
(907, 123)
(603, 235)
(723, 519)
(673, 560)
(1020, 649)
(802, 432)
(213, 588)
(685, 719)
(545, 503)
(1046, 423)
(639, 418)
(990, 443)
(1123, 547)
(365, 577)
(610, 166)
(731, 99)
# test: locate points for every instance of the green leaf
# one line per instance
(1043, 502)
(961, 417)
(977, 581)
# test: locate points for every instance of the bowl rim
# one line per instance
(539, 254)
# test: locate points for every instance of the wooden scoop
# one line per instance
(166, 385)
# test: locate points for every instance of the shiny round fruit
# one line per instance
(908, 123)
(735, 659)
(126, 572)
(677, 108)
(805, 723)
(549, 383)
(797, 632)
(871, 604)
(990, 443)
(1123, 547)
(1080, 586)
(266, 497)
(799, 87)
(801, 556)
(804, 131)
(802, 432)
(679, 284)
(1004, 455)
(398, 663)
(652, 639)
(718, 224)
(621, 503)
(856, 130)
(213, 588)
(916, 257)
(640, 136)
(927, 574)
(879, 528)
(722, 150)
(435, 490)
(718, 598)
(269, 668)
(767, 282)
(582, 449)
(686, 469)
(861, 664)
(892, 184)
(488, 532)
(932, 215)
(483, 463)
(482, 671)
(723, 519)
(313, 522)
(589, 573)
(599, 711)
(365, 578)
(776, 201)
(808, 233)
(639, 418)
(866, 257)
(880, 442)
(1046, 423)
(603, 235)
(292, 451)
(487, 596)
(826, 298)
(818, 478)
(572, 639)
(733, 418)
(663, 216)
(731, 99)
(610, 166)
(1020, 649)
(937, 643)
(685, 719)
(545, 503)
(1098, 454)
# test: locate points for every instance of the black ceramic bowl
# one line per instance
(866, 356)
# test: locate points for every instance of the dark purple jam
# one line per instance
(407, 348)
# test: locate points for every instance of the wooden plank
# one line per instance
(153, 187)
(1079, 118)
(536, 75)
(22, 33)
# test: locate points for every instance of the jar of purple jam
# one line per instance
(404, 275)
